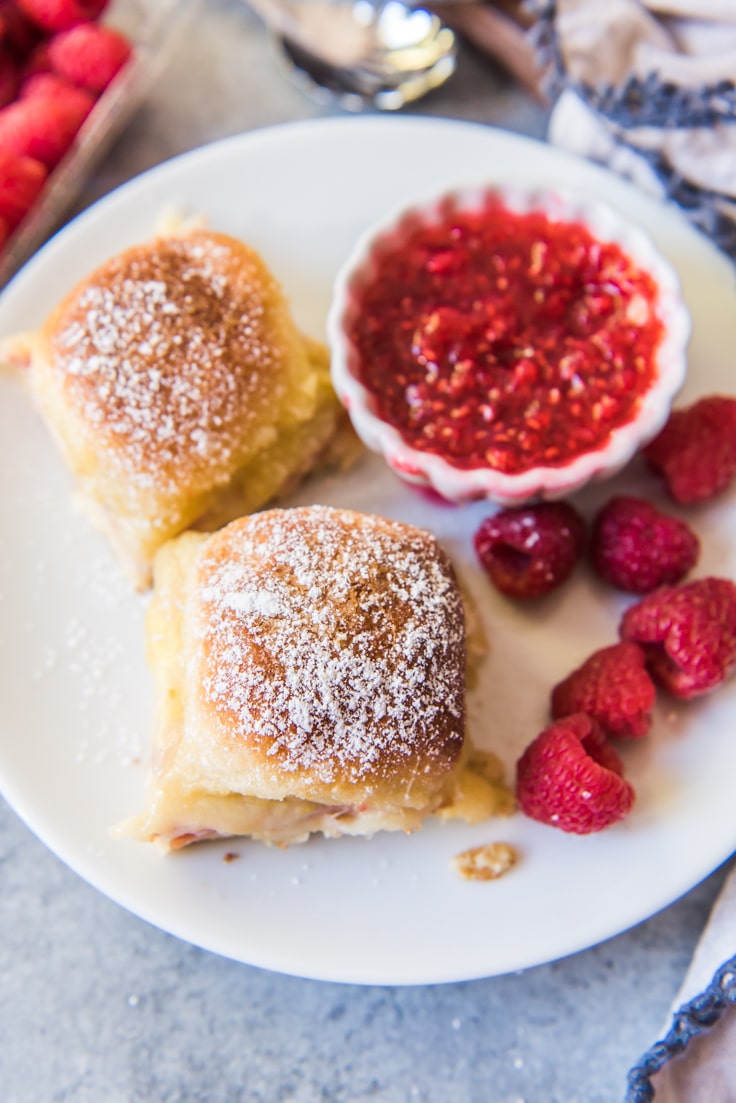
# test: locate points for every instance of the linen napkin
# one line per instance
(648, 87)
(695, 1061)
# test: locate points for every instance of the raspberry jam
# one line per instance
(504, 340)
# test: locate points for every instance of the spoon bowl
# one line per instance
(364, 55)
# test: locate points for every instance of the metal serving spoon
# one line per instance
(366, 54)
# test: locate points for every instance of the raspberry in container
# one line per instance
(72, 74)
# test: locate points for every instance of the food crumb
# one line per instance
(231, 856)
(485, 863)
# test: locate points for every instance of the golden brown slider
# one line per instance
(179, 390)
(310, 677)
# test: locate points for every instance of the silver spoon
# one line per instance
(380, 55)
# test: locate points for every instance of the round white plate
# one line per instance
(75, 691)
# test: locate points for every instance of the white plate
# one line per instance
(75, 691)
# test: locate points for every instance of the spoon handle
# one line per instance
(499, 30)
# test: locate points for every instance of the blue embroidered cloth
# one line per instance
(648, 87)
(691, 1020)
(695, 1059)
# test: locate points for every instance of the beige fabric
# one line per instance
(689, 44)
(706, 1071)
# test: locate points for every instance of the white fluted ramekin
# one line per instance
(429, 469)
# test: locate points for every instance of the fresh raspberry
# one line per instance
(38, 61)
(571, 777)
(41, 127)
(688, 634)
(59, 15)
(613, 687)
(76, 100)
(8, 77)
(4, 233)
(530, 550)
(89, 55)
(637, 547)
(17, 32)
(696, 450)
(21, 181)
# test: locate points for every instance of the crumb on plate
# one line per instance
(485, 863)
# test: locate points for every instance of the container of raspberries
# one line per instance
(72, 73)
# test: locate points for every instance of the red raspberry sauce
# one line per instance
(505, 340)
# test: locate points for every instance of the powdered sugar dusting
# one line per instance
(167, 353)
(337, 639)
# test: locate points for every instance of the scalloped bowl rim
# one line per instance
(466, 484)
